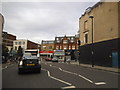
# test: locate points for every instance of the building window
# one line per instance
(65, 41)
(65, 47)
(23, 43)
(58, 41)
(68, 38)
(73, 47)
(19, 43)
(85, 25)
(44, 47)
(72, 40)
(69, 47)
(86, 37)
(15, 43)
(57, 47)
(50, 47)
(60, 47)
(57, 38)
(15, 48)
(51, 42)
(44, 42)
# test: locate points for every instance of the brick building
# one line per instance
(7, 40)
(47, 45)
(25, 44)
(100, 34)
(67, 43)
(39, 47)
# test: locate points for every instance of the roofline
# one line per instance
(94, 6)
(9, 33)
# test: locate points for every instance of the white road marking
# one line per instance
(68, 87)
(56, 78)
(61, 80)
(78, 75)
(86, 78)
(74, 74)
(100, 83)
(48, 73)
(60, 69)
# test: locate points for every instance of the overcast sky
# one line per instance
(38, 21)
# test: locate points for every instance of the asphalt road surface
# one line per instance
(59, 75)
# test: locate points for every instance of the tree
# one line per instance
(20, 51)
(5, 52)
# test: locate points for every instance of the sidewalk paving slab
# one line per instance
(111, 69)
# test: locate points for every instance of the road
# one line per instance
(59, 75)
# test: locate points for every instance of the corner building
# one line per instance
(100, 34)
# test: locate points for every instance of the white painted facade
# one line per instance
(22, 43)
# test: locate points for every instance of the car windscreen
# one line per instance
(31, 61)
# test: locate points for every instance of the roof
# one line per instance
(89, 9)
(64, 36)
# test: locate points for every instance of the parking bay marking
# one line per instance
(98, 83)
(58, 79)
(68, 87)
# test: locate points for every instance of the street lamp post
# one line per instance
(92, 41)
(79, 43)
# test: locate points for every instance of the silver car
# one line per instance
(54, 59)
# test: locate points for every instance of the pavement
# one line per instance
(111, 69)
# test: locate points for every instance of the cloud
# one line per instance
(38, 21)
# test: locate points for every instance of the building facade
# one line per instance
(69, 44)
(1, 30)
(39, 47)
(66, 43)
(1, 27)
(25, 44)
(47, 45)
(7, 40)
(100, 34)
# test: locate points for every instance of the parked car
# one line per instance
(29, 63)
(48, 59)
(54, 59)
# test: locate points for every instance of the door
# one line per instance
(115, 59)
